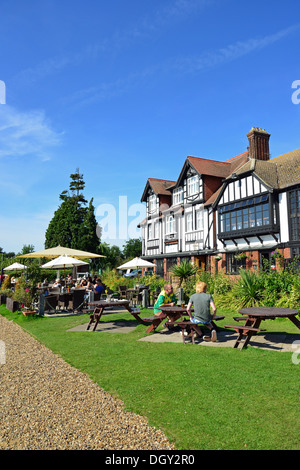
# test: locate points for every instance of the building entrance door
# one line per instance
(200, 262)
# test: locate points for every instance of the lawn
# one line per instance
(201, 397)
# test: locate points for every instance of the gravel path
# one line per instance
(47, 404)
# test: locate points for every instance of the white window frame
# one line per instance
(170, 224)
(193, 185)
(200, 220)
(152, 204)
(189, 222)
(177, 196)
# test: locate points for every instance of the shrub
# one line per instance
(7, 283)
(184, 271)
(247, 290)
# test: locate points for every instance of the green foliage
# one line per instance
(132, 248)
(248, 289)
(113, 256)
(73, 224)
(184, 271)
(26, 286)
(6, 284)
(113, 280)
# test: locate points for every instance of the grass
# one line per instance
(201, 397)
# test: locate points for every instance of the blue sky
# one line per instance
(126, 90)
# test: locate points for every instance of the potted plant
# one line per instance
(240, 256)
(24, 294)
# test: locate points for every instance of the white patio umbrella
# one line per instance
(63, 262)
(137, 263)
(15, 267)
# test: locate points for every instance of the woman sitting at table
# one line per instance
(90, 284)
(57, 283)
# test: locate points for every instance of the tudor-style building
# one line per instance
(224, 215)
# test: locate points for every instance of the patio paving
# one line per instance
(281, 342)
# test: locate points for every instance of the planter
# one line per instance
(2, 299)
(12, 304)
(28, 312)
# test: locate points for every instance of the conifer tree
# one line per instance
(73, 224)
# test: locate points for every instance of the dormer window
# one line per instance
(193, 185)
(152, 204)
(177, 196)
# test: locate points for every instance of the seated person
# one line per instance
(202, 316)
(166, 298)
(90, 284)
(98, 287)
(83, 282)
(57, 283)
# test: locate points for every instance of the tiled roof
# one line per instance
(278, 173)
(161, 186)
(210, 167)
(288, 168)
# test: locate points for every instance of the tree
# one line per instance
(73, 224)
(113, 256)
(132, 248)
(27, 249)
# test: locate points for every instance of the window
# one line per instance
(193, 185)
(170, 224)
(242, 215)
(199, 220)
(189, 222)
(233, 265)
(150, 231)
(177, 196)
(152, 207)
(294, 210)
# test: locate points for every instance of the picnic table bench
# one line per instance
(253, 317)
(174, 313)
(100, 305)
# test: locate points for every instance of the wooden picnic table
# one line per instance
(253, 318)
(100, 305)
(173, 314)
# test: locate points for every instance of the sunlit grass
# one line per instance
(201, 397)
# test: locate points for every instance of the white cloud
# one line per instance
(26, 133)
(228, 53)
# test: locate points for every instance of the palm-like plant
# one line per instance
(185, 270)
(248, 290)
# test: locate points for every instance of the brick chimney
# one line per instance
(259, 144)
